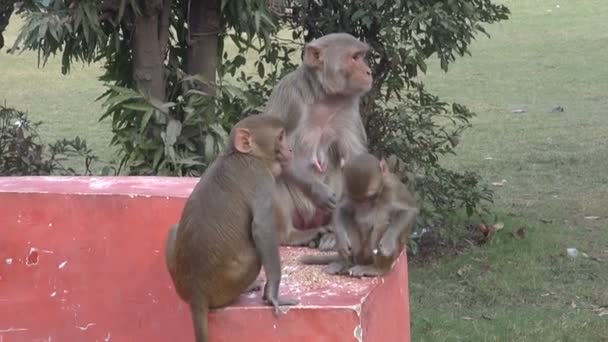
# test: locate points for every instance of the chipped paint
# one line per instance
(32, 257)
(108, 336)
(358, 333)
(8, 261)
(50, 224)
(53, 294)
(86, 327)
(62, 265)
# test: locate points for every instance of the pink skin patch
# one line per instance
(320, 218)
(320, 166)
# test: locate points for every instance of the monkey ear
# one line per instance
(242, 140)
(312, 56)
(383, 166)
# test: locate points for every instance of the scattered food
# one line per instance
(467, 318)
(546, 220)
(520, 232)
(557, 109)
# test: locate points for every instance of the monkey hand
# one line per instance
(327, 242)
(344, 247)
(323, 196)
(387, 245)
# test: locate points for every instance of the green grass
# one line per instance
(555, 165)
(556, 169)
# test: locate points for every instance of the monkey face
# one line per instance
(358, 72)
(284, 153)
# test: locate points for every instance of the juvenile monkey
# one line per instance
(228, 228)
(319, 103)
(373, 220)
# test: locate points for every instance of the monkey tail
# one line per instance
(320, 259)
(200, 313)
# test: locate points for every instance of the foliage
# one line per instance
(182, 133)
(403, 121)
(22, 153)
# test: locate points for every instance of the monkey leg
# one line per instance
(320, 259)
(302, 237)
(365, 271)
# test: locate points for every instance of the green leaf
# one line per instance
(140, 107)
(174, 128)
(145, 120)
(261, 69)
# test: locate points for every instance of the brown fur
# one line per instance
(228, 228)
(373, 220)
(319, 103)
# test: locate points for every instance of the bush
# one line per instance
(22, 152)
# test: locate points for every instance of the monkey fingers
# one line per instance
(360, 271)
(323, 195)
(328, 242)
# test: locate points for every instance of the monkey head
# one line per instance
(339, 61)
(364, 180)
(263, 137)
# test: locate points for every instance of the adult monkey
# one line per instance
(319, 103)
(229, 225)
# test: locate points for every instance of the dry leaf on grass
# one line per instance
(501, 183)
(498, 226)
(467, 318)
(461, 271)
(591, 217)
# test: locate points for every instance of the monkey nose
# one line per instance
(368, 72)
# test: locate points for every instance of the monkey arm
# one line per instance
(265, 239)
(342, 220)
(401, 220)
(297, 173)
(263, 231)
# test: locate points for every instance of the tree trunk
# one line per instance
(148, 55)
(203, 30)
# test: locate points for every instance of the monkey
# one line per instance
(373, 220)
(228, 228)
(319, 103)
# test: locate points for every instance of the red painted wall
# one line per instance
(82, 259)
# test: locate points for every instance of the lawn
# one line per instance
(555, 165)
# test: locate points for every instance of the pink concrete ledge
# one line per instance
(82, 259)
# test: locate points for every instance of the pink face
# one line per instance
(360, 74)
(284, 154)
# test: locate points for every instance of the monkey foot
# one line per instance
(281, 301)
(365, 271)
(336, 267)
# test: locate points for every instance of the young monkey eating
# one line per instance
(373, 220)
